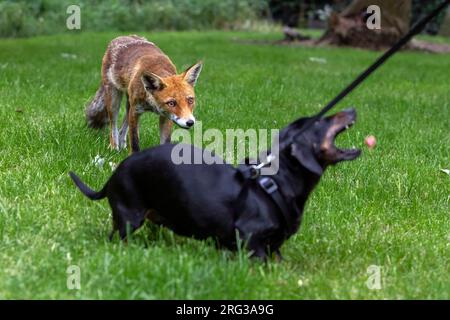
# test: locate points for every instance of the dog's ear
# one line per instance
(152, 82)
(305, 155)
(191, 74)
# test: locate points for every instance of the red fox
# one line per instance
(137, 67)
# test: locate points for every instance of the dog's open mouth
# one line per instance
(343, 121)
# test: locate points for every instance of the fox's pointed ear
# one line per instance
(152, 82)
(306, 157)
(191, 74)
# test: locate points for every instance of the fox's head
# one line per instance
(173, 96)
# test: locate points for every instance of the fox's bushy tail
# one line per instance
(96, 113)
(88, 192)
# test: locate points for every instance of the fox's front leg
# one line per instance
(165, 130)
(112, 105)
(124, 129)
(133, 121)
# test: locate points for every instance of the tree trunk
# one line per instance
(349, 28)
(445, 28)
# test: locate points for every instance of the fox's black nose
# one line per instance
(190, 123)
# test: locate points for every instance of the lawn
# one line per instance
(389, 208)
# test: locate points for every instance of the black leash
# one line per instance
(268, 184)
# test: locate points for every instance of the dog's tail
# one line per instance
(96, 113)
(88, 192)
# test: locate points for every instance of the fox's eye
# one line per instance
(190, 100)
(171, 103)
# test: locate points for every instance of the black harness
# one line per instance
(268, 184)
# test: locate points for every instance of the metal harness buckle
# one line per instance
(255, 170)
(268, 185)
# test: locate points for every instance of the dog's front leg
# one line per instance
(165, 130)
(278, 256)
(259, 253)
(133, 121)
(257, 249)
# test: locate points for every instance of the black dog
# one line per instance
(212, 200)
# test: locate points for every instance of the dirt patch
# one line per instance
(413, 45)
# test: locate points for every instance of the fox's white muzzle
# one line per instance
(182, 122)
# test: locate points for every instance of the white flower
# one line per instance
(98, 161)
(302, 282)
(65, 55)
(318, 60)
(112, 165)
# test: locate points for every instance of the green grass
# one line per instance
(389, 208)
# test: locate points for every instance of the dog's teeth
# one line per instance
(346, 127)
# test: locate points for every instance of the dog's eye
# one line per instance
(171, 103)
(190, 100)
